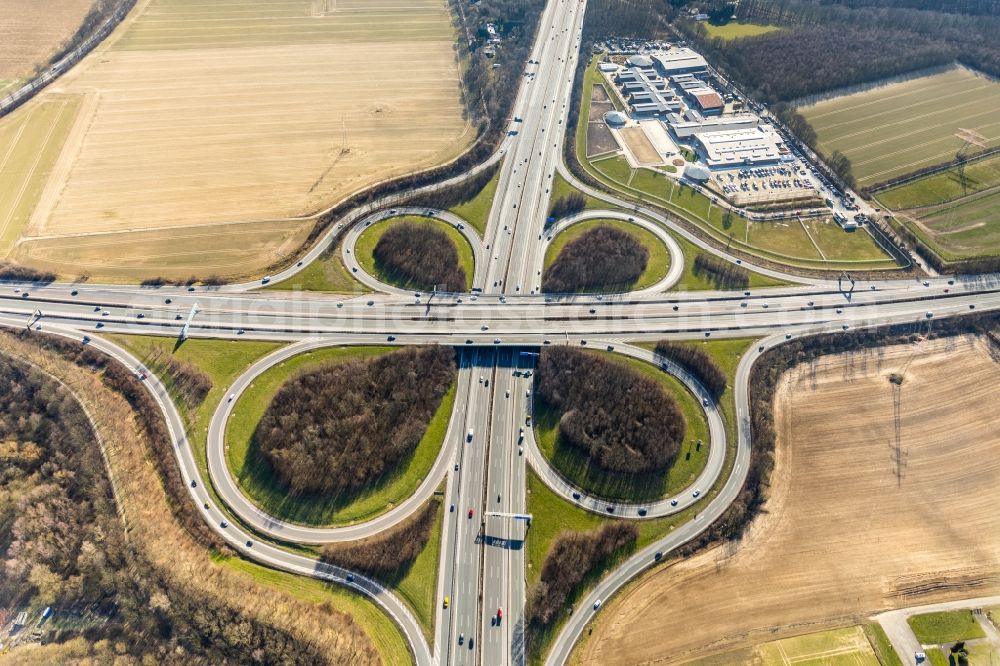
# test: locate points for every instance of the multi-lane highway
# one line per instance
(484, 457)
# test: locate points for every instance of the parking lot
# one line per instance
(765, 184)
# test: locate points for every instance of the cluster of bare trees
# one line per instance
(568, 204)
(456, 193)
(62, 543)
(621, 420)
(722, 273)
(697, 361)
(388, 554)
(603, 257)
(420, 256)
(573, 557)
(344, 425)
(492, 74)
(9, 271)
(187, 382)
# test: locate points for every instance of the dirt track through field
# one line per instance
(846, 531)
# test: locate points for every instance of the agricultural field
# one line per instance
(846, 531)
(206, 135)
(737, 30)
(32, 31)
(959, 217)
(837, 647)
(898, 128)
(29, 146)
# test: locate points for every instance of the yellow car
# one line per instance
(446, 601)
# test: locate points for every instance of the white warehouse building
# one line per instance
(744, 147)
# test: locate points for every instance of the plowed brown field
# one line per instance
(846, 531)
(31, 31)
(210, 128)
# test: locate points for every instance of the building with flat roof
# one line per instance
(679, 61)
(683, 129)
(743, 147)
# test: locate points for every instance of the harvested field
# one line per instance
(640, 146)
(846, 531)
(29, 146)
(838, 647)
(32, 31)
(220, 113)
(892, 130)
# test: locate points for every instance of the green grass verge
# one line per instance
(222, 360)
(943, 187)
(884, 651)
(737, 30)
(326, 274)
(656, 266)
(937, 657)
(257, 480)
(552, 516)
(945, 627)
(383, 632)
(691, 282)
(364, 249)
(690, 461)
(418, 587)
(476, 211)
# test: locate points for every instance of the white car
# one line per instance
(597, 604)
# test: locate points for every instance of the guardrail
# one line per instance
(60, 67)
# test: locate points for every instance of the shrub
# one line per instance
(573, 556)
(697, 361)
(344, 425)
(721, 272)
(623, 421)
(388, 553)
(573, 202)
(600, 257)
(420, 255)
(10, 271)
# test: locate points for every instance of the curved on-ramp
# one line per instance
(239, 540)
(676, 267)
(349, 249)
(228, 488)
(654, 508)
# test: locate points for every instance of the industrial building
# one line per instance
(679, 61)
(645, 92)
(760, 145)
(684, 129)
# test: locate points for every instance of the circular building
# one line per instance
(639, 61)
(615, 119)
(697, 172)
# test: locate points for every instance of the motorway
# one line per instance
(482, 567)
